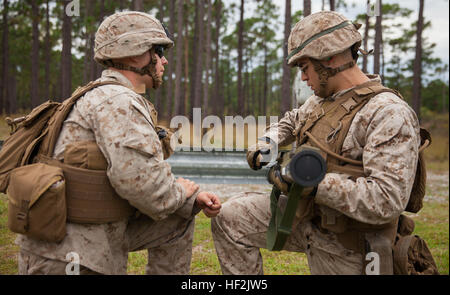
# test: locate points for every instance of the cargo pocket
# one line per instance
(37, 203)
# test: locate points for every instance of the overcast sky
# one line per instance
(435, 10)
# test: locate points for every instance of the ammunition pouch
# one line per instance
(37, 203)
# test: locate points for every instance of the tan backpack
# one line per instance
(28, 132)
(37, 191)
(411, 255)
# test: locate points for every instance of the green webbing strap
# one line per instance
(280, 226)
(318, 35)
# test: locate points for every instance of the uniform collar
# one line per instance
(117, 76)
(372, 78)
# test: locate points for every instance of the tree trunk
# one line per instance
(417, 80)
(332, 5)
(66, 55)
(266, 81)
(218, 96)
(138, 5)
(88, 58)
(377, 45)
(207, 59)
(101, 15)
(195, 56)
(34, 86)
(285, 87)
(158, 92)
(47, 53)
(245, 88)
(382, 59)
(169, 92)
(240, 95)
(4, 94)
(12, 95)
(178, 97)
(199, 53)
(186, 71)
(365, 41)
(306, 7)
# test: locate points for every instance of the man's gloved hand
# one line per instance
(275, 178)
(165, 136)
(254, 154)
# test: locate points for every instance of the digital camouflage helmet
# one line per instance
(131, 33)
(320, 36)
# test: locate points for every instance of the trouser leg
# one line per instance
(168, 242)
(32, 264)
(240, 230)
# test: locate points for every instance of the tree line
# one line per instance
(226, 60)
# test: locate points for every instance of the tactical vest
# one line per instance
(326, 128)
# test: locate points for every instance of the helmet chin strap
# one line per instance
(149, 69)
(325, 73)
(157, 80)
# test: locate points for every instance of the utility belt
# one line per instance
(361, 237)
(90, 198)
(48, 193)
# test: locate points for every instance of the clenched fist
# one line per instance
(209, 203)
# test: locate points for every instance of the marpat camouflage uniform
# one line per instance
(122, 123)
(385, 136)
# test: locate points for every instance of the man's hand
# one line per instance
(190, 187)
(209, 203)
(254, 155)
(167, 143)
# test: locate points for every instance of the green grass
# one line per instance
(437, 154)
(8, 250)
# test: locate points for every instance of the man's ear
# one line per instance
(124, 60)
(132, 60)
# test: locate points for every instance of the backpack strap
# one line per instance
(55, 123)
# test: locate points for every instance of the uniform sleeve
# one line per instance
(282, 132)
(136, 168)
(390, 158)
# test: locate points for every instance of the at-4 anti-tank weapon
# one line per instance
(294, 176)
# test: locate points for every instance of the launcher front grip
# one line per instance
(302, 169)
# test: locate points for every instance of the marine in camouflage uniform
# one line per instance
(122, 123)
(384, 135)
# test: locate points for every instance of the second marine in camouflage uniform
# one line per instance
(384, 135)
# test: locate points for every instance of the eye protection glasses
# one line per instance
(159, 50)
